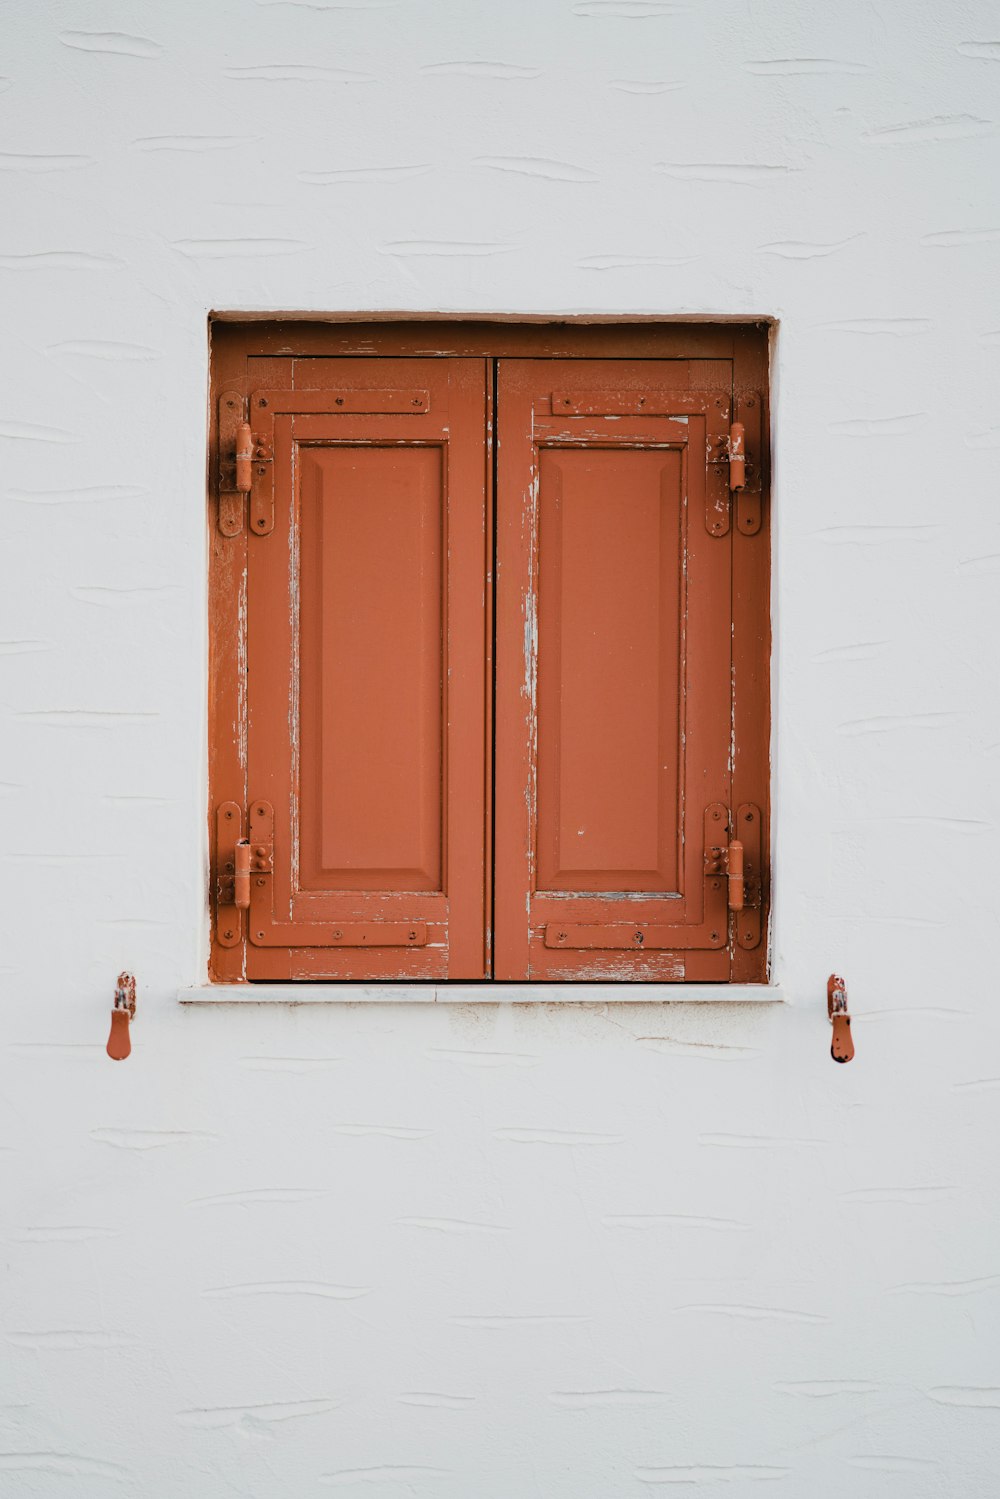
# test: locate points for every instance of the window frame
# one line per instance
(236, 341)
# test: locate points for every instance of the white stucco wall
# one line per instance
(494, 1253)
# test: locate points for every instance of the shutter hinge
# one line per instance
(237, 861)
(243, 456)
(739, 859)
(742, 450)
(727, 859)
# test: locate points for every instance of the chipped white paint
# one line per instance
(593, 1251)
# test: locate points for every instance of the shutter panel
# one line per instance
(613, 708)
(366, 673)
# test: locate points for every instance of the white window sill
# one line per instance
(482, 994)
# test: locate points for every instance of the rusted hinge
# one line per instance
(727, 859)
(741, 450)
(739, 859)
(243, 457)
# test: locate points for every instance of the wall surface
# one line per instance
(504, 1252)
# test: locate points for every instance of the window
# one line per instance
(489, 673)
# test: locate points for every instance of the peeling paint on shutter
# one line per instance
(613, 671)
(366, 648)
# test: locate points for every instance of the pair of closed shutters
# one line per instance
(489, 708)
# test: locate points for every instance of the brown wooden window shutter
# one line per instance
(385, 805)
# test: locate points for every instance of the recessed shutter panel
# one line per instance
(613, 709)
(366, 689)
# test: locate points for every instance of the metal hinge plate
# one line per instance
(740, 450)
(261, 483)
(245, 468)
(232, 415)
(738, 859)
(749, 494)
(748, 829)
(229, 842)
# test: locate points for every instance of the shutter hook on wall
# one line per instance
(842, 1042)
(122, 1013)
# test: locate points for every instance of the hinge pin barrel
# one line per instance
(737, 456)
(244, 457)
(734, 870)
(241, 882)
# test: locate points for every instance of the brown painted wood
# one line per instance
(308, 340)
(366, 683)
(629, 607)
(613, 666)
(227, 655)
(752, 658)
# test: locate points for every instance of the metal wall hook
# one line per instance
(842, 1042)
(122, 1014)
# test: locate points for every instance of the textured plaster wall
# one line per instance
(482, 1253)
